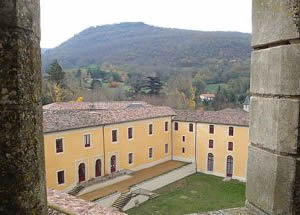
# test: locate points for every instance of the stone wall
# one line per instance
(273, 174)
(22, 183)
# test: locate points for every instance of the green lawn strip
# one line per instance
(212, 88)
(196, 193)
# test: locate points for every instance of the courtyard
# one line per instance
(196, 193)
(137, 177)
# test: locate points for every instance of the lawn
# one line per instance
(212, 88)
(196, 193)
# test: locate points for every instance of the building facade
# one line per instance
(216, 140)
(84, 141)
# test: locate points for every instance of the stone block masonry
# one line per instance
(22, 184)
(273, 173)
(274, 21)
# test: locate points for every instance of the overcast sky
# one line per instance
(61, 19)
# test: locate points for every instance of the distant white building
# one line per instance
(246, 105)
(207, 97)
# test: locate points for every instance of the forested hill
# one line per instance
(144, 46)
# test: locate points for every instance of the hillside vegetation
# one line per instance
(138, 44)
(124, 56)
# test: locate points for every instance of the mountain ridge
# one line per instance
(145, 47)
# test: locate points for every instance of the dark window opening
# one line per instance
(98, 168)
(211, 144)
(130, 158)
(130, 131)
(150, 152)
(59, 145)
(211, 129)
(191, 127)
(113, 164)
(87, 140)
(230, 146)
(166, 126)
(114, 135)
(230, 131)
(61, 177)
(150, 129)
(176, 126)
(81, 172)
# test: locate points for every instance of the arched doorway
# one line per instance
(113, 161)
(81, 172)
(229, 168)
(98, 168)
(210, 162)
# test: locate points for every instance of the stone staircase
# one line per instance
(76, 190)
(122, 200)
(148, 193)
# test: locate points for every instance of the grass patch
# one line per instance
(196, 193)
(212, 88)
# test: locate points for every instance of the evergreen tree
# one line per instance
(56, 73)
(153, 85)
(78, 76)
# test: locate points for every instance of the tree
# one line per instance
(192, 103)
(56, 73)
(199, 86)
(153, 85)
(136, 81)
(78, 76)
(219, 100)
(96, 84)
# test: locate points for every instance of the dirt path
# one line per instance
(136, 178)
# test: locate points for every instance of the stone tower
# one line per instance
(273, 175)
(22, 180)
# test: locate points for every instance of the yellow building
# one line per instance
(84, 141)
(221, 141)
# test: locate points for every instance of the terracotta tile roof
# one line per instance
(225, 117)
(59, 120)
(94, 105)
(68, 204)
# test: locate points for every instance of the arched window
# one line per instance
(210, 162)
(81, 172)
(113, 161)
(98, 168)
(229, 166)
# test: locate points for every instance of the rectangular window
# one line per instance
(230, 131)
(150, 152)
(114, 134)
(166, 126)
(211, 144)
(150, 129)
(59, 145)
(130, 133)
(130, 158)
(61, 177)
(230, 146)
(166, 148)
(176, 126)
(191, 127)
(183, 150)
(211, 129)
(87, 140)
(183, 138)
